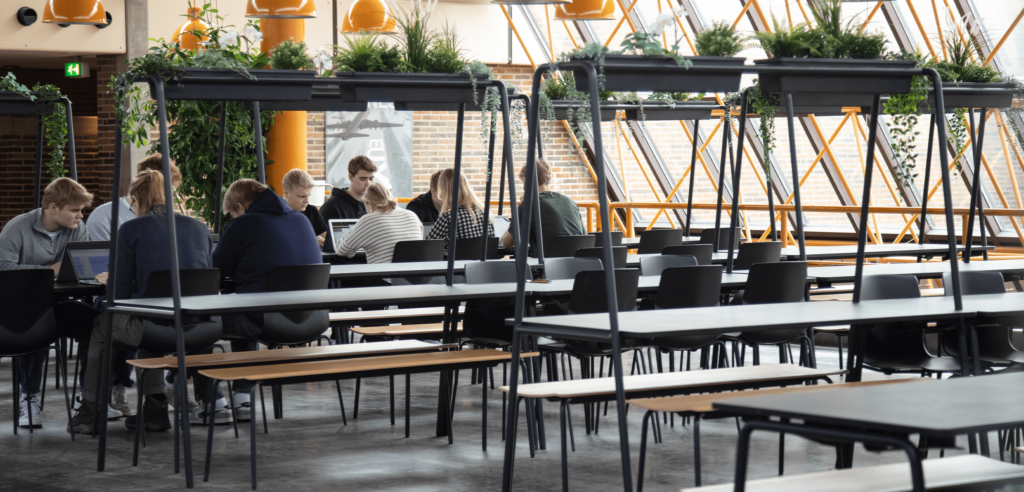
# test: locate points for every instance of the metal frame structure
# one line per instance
(15, 104)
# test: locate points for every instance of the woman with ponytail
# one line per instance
(381, 228)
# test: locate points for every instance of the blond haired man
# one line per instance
(298, 186)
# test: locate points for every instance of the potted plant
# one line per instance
(561, 101)
(832, 44)
(42, 100)
(644, 64)
(669, 106)
(967, 83)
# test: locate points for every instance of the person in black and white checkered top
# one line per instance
(470, 218)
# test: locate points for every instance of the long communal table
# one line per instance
(884, 416)
(1012, 270)
(876, 251)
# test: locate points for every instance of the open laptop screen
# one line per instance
(427, 226)
(90, 262)
(501, 224)
(340, 227)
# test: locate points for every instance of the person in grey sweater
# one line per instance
(36, 240)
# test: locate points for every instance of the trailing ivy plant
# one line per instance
(764, 105)
(1014, 132)
(904, 110)
(194, 131)
(55, 129)
(720, 40)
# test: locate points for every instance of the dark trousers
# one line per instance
(74, 320)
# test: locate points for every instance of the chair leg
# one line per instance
(140, 427)
(839, 342)
(391, 388)
(344, 421)
(62, 367)
(210, 398)
(565, 454)
(16, 394)
(483, 406)
(252, 437)
(263, 408)
(696, 449)
(408, 385)
(643, 450)
(355, 406)
(231, 401)
(42, 385)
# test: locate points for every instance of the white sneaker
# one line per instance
(119, 400)
(222, 414)
(169, 392)
(112, 413)
(30, 406)
(242, 408)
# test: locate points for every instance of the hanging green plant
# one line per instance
(904, 110)
(764, 105)
(55, 129)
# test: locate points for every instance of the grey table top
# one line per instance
(410, 269)
(947, 407)
(755, 317)
(633, 241)
(1008, 304)
(845, 273)
(872, 251)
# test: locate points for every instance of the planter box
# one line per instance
(824, 83)
(325, 98)
(662, 111)
(562, 108)
(975, 95)
(663, 74)
(238, 87)
(13, 103)
(434, 106)
(414, 87)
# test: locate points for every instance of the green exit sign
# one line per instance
(73, 69)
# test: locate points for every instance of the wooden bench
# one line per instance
(345, 320)
(661, 384)
(387, 365)
(432, 329)
(699, 406)
(968, 472)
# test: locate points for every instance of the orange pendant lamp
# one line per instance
(74, 12)
(529, 2)
(280, 9)
(184, 34)
(369, 16)
(586, 10)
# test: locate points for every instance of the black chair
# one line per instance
(707, 236)
(296, 327)
(27, 325)
(483, 323)
(616, 238)
(688, 287)
(619, 254)
(423, 250)
(655, 241)
(469, 248)
(566, 246)
(654, 265)
(898, 347)
(589, 295)
(995, 335)
(565, 268)
(490, 272)
(703, 252)
(751, 253)
(770, 283)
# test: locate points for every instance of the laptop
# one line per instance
(501, 225)
(83, 260)
(427, 226)
(337, 228)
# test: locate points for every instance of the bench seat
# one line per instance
(969, 472)
(401, 330)
(388, 315)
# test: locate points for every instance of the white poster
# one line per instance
(380, 133)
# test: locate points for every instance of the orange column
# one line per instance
(286, 140)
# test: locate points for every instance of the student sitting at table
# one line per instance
(381, 228)
(36, 240)
(346, 203)
(264, 232)
(298, 186)
(470, 219)
(142, 248)
(427, 206)
(559, 215)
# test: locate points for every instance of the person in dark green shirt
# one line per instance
(559, 215)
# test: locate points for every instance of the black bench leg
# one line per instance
(62, 365)
(407, 404)
(263, 408)
(16, 394)
(643, 450)
(696, 450)
(209, 433)
(231, 401)
(565, 454)
(391, 387)
(355, 406)
(483, 419)
(341, 402)
(140, 430)
(782, 449)
(568, 418)
(252, 438)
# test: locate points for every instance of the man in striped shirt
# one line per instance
(381, 228)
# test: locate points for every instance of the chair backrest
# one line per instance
(750, 253)
(194, 282)
(689, 286)
(616, 238)
(26, 313)
(469, 248)
(299, 277)
(975, 283)
(589, 296)
(655, 240)
(423, 250)
(769, 283)
(619, 254)
(653, 265)
(490, 272)
(566, 246)
(707, 236)
(703, 252)
(880, 287)
(565, 268)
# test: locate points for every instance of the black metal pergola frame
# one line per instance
(16, 104)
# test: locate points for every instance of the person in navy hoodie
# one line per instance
(264, 232)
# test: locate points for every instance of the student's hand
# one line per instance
(102, 277)
(56, 268)
(321, 238)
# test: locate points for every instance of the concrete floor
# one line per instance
(310, 449)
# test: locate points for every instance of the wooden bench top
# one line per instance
(670, 380)
(384, 362)
(399, 330)
(257, 357)
(939, 474)
(389, 314)
(703, 403)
